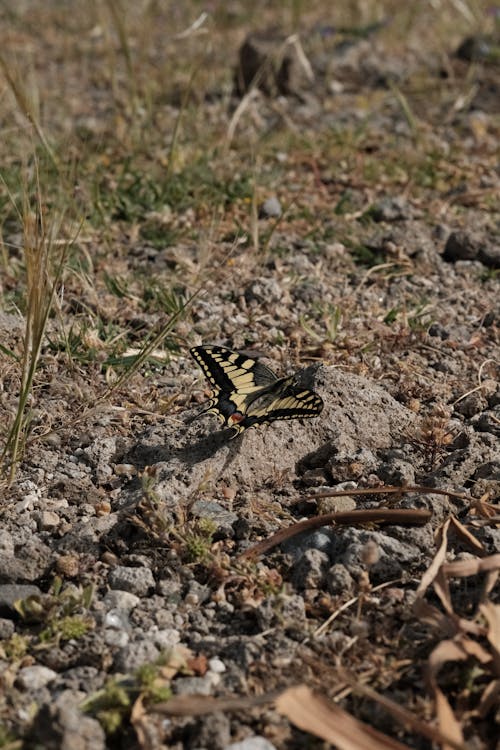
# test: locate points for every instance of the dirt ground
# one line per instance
(315, 185)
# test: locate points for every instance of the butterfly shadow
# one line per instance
(207, 446)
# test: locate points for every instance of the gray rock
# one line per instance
(281, 610)
(216, 512)
(321, 539)
(35, 677)
(135, 655)
(271, 208)
(62, 726)
(124, 600)
(212, 732)
(339, 580)
(463, 245)
(310, 570)
(137, 581)
(390, 209)
(164, 639)
(397, 472)
(251, 743)
(10, 593)
(6, 628)
(6, 543)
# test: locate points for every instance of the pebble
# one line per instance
(11, 592)
(48, 520)
(271, 208)
(122, 600)
(310, 570)
(6, 628)
(6, 543)
(216, 665)
(118, 638)
(165, 638)
(251, 743)
(134, 655)
(137, 581)
(35, 677)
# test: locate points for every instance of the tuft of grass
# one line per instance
(44, 260)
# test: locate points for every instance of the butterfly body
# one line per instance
(247, 393)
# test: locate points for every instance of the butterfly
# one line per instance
(247, 393)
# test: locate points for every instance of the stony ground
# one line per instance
(331, 201)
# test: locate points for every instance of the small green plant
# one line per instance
(63, 612)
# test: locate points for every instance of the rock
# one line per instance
(397, 472)
(479, 48)
(390, 209)
(136, 654)
(471, 246)
(216, 512)
(6, 543)
(6, 628)
(212, 732)
(122, 600)
(62, 726)
(35, 677)
(48, 520)
(310, 570)
(471, 405)
(256, 742)
(273, 64)
(10, 593)
(271, 208)
(339, 580)
(137, 581)
(281, 610)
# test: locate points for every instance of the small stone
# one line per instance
(471, 246)
(339, 580)
(116, 638)
(122, 600)
(10, 593)
(135, 655)
(397, 472)
(48, 520)
(117, 619)
(216, 665)
(390, 209)
(166, 638)
(6, 543)
(35, 677)
(310, 570)
(137, 581)
(271, 208)
(6, 628)
(251, 743)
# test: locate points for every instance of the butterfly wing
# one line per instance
(234, 379)
(247, 393)
(283, 400)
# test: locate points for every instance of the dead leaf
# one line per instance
(462, 532)
(464, 568)
(439, 558)
(314, 714)
(491, 613)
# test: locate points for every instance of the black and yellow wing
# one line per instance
(247, 393)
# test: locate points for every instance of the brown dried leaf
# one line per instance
(439, 558)
(462, 532)
(489, 698)
(314, 714)
(446, 718)
(463, 568)
(492, 614)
